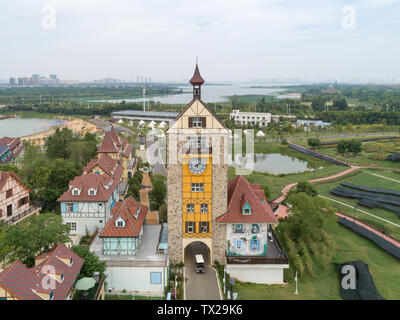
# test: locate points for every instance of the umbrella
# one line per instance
(85, 284)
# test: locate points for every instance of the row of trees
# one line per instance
(349, 146)
(39, 234)
(306, 243)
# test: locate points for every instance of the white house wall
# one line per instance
(258, 273)
(134, 279)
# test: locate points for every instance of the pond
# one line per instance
(16, 127)
(276, 163)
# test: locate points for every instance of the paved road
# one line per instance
(155, 159)
(200, 286)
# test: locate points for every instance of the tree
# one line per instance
(340, 103)
(354, 146)
(92, 262)
(306, 188)
(10, 167)
(158, 192)
(59, 144)
(267, 191)
(314, 143)
(31, 237)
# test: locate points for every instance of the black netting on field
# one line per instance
(394, 157)
(379, 241)
(355, 194)
(317, 155)
(374, 190)
(365, 287)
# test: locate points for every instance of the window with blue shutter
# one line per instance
(63, 207)
(255, 244)
(75, 207)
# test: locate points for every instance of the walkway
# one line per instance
(152, 216)
(288, 187)
(200, 286)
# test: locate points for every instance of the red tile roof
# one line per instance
(113, 143)
(241, 191)
(22, 282)
(197, 79)
(107, 164)
(4, 175)
(108, 145)
(132, 212)
(86, 181)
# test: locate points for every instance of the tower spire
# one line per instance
(196, 82)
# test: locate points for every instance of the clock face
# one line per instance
(197, 165)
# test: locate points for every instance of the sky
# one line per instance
(234, 40)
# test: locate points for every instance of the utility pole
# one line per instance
(144, 99)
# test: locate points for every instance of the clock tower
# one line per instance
(197, 179)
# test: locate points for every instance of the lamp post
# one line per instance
(295, 279)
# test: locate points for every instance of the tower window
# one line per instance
(197, 122)
(190, 227)
(190, 208)
(197, 187)
(204, 208)
(204, 227)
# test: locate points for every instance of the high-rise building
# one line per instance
(12, 81)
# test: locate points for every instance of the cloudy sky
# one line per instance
(235, 40)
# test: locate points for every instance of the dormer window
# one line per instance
(246, 211)
(76, 192)
(120, 223)
(92, 192)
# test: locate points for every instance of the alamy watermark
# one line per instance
(349, 19)
(49, 17)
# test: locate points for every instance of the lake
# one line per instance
(15, 127)
(276, 163)
(209, 93)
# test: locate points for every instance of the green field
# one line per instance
(325, 285)
(365, 158)
(365, 179)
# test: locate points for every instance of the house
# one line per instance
(315, 123)
(129, 248)
(86, 205)
(5, 154)
(253, 252)
(119, 149)
(52, 278)
(14, 199)
(252, 118)
(124, 230)
(13, 148)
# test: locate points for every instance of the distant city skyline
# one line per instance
(235, 40)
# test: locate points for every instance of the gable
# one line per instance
(196, 108)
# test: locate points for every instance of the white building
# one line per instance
(251, 118)
(254, 254)
(130, 251)
(86, 205)
(315, 123)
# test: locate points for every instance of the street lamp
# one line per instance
(295, 279)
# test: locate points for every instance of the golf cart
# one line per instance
(199, 262)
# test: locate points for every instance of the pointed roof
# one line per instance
(241, 191)
(26, 284)
(4, 175)
(132, 212)
(196, 80)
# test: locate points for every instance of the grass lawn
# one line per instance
(364, 158)
(368, 180)
(325, 285)
(277, 182)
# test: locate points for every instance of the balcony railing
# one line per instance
(20, 216)
(255, 260)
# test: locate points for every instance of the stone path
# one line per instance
(152, 216)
